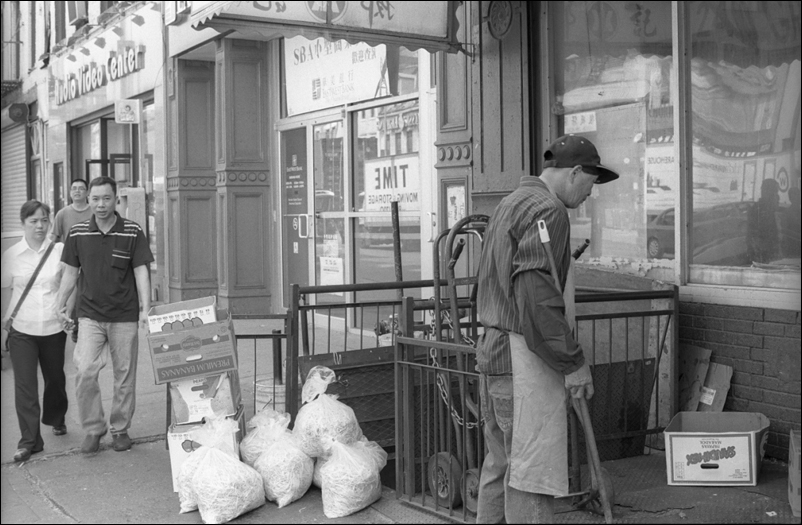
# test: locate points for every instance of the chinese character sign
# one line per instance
(322, 74)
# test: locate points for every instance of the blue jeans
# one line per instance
(122, 340)
(497, 500)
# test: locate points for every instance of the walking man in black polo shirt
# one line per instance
(114, 285)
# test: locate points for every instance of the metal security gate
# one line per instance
(13, 167)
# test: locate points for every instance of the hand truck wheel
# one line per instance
(470, 489)
(445, 477)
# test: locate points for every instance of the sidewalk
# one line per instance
(60, 485)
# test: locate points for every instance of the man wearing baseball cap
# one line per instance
(527, 358)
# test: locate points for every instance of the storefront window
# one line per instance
(382, 176)
(612, 85)
(745, 88)
(88, 148)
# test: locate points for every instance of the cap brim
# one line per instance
(604, 173)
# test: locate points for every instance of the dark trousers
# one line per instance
(28, 351)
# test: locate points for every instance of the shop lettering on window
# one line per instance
(378, 9)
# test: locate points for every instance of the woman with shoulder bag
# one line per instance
(32, 330)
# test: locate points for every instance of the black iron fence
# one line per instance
(630, 341)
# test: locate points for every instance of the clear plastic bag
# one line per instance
(226, 487)
(316, 481)
(350, 477)
(214, 480)
(371, 449)
(323, 417)
(215, 433)
(266, 427)
(285, 470)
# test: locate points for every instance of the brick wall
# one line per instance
(762, 346)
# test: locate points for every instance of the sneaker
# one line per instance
(91, 443)
(121, 442)
(59, 430)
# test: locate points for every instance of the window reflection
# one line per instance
(745, 85)
(613, 87)
(328, 163)
(386, 169)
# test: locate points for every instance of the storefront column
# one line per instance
(244, 202)
(191, 193)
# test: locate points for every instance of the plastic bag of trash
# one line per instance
(226, 487)
(316, 481)
(265, 416)
(286, 470)
(215, 433)
(350, 477)
(376, 453)
(317, 381)
(214, 480)
(266, 427)
(323, 417)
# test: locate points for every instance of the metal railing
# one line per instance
(275, 388)
(630, 339)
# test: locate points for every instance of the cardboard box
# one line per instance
(794, 474)
(715, 448)
(198, 397)
(194, 352)
(181, 442)
(183, 314)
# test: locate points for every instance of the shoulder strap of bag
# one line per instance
(30, 284)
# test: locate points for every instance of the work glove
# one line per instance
(580, 382)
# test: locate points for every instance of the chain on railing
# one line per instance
(440, 380)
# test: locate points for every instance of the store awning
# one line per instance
(415, 25)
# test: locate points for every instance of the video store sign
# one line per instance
(90, 77)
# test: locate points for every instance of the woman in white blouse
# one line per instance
(36, 337)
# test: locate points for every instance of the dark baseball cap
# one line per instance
(571, 150)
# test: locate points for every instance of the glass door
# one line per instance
(328, 150)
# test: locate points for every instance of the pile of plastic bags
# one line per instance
(326, 446)
(214, 481)
(347, 464)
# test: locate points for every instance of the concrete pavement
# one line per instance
(60, 485)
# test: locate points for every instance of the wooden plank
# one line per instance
(693, 365)
(716, 386)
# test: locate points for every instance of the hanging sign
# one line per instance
(323, 74)
(127, 111)
(431, 25)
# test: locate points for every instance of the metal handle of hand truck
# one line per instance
(457, 252)
(579, 251)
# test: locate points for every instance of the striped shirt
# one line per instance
(106, 284)
(516, 291)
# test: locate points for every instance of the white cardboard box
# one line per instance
(198, 397)
(194, 312)
(715, 448)
(180, 441)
